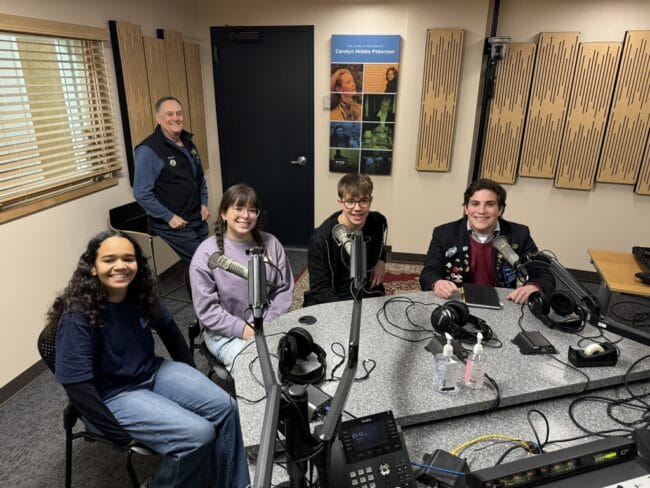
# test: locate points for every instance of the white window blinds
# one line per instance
(57, 130)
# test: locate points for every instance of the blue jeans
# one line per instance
(183, 241)
(188, 419)
(225, 349)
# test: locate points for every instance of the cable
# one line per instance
(548, 429)
(482, 438)
(435, 468)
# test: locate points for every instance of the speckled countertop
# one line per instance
(403, 378)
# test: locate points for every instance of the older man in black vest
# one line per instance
(169, 182)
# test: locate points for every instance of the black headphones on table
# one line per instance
(299, 344)
(561, 303)
(454, 318)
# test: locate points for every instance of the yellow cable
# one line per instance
(476, 440)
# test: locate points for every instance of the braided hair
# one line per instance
(239, 195)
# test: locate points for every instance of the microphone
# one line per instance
(227, 264)
(341, 237)
(503, 246)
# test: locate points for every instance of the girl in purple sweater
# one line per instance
(220, 298)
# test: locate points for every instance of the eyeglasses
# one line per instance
(363, 203)
(242, 211)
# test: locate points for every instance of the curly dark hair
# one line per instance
(239, 195)
(486, 184)
(85, 293)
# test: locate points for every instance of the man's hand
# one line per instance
(205, 212)
(378, 274)
(444, 289)
(521, 294)
(177, 222)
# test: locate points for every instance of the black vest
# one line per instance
(177, 187)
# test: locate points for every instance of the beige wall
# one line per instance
(39, 252)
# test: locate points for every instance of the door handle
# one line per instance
(301, 161)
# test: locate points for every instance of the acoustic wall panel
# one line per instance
(549, 96)
(195, 98)
(156, 59)
(591, 95)
(643, 182)
(629, 120)
(176, 71)
(134, 88)
(442, 66)
(507, 113)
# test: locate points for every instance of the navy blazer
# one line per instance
(448, 257)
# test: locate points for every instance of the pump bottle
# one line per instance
(448, 369)
(475, 370)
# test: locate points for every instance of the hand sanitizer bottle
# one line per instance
(475, 370)
(447, 369)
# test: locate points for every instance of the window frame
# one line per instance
(73, 189)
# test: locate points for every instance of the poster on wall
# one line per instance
(363, 101)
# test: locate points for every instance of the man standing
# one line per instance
(329, 264)
(462, 251)
(169, 182)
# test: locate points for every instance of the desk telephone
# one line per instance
(370, 453)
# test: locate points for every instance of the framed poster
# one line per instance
(364, 76)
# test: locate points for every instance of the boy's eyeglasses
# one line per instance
(363, 203)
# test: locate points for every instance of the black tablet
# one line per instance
(480, 296)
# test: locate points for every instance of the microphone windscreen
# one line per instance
(213, 260)
(340, 233)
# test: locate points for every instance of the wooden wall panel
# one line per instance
(591, 95)
(556, 55)
(629, 120)
(195, 98)
(156, 58)
(507, 113)
(643, 182)
(176, 71)
(440, 86)
(135, 86)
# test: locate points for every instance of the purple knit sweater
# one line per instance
(220, 298)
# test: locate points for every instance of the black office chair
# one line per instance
(47, 350)
(131, 218)
(218, 372)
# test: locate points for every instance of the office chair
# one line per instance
(218, 372)
(131, 218)
(47, 350)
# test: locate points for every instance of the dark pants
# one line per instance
(183, 241)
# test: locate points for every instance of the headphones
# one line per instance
(299, 344)
(561, 303)
(454, 317)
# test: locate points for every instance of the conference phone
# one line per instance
(370, 453)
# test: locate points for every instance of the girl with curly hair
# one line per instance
(106, 362)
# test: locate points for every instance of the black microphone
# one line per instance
(503, 246)
(342, 238)
(227, 264)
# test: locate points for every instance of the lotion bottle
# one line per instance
(447, 369)
(475, 370)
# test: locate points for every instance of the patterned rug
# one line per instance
(400, 278)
